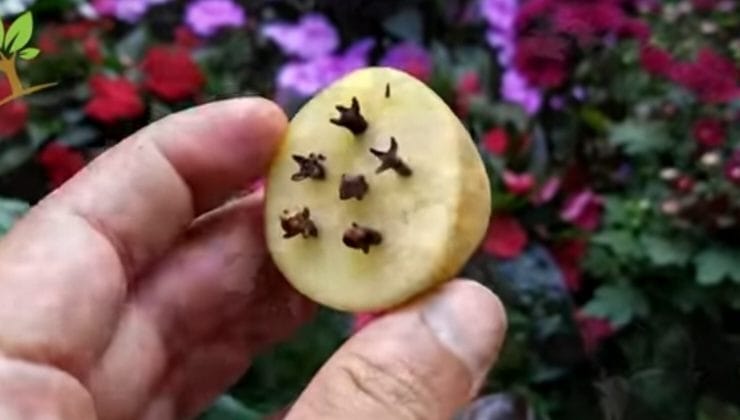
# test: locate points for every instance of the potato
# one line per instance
(377, 193)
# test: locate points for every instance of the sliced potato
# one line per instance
(377, 193)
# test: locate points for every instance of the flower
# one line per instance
(186, 38)
(113, 99)
(506, 238)
(495, 141)
(655, 60)
(711, 77)
(542, 60)
(132, 11)
(361, 320)
(312, 37)
(583, 209)
(732, 168)
(709, 132)
(13, 114)
(593, 331)
(516, 89)
(60, 162)
(468, 85)
(206, 17)
(704, 5)
(547, 191)
(307, 78)
(500, 14)
(410, 58)
(172, 74)
(586, 20)
(568, 255)
(92, 50)
(518, 184)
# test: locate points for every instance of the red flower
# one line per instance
(468, 85)
(655, 60)
(711, 77)
(568, 255)
(186, 38)
(704, 5)
(684, 184)
(583, 209)
(634, 28)
(543, 60)
(93, 52)
(60, 162)
(13, 115)
(732, 168)
(113, 100)
(709, 132)
(518, 184)
(172, 74)
(495, 141)
(593, 331)
(506, 238)
(586, 20)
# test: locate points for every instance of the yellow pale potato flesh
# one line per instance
(431, 222)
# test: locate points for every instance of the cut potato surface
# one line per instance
(377, 193)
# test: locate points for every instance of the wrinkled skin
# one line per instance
(134, 292)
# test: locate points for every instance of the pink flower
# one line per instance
(543, 60)
(655, 60)
(709, 132)
(568, 255)
(593, 331)
(311, 37)
(60, 162)
(495, 141)
(711, 77)
(583, 209)
(547, 191)
(506, 238)
(362, 320)
(411, 58)
(518, 184)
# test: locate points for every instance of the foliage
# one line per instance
(612, 144)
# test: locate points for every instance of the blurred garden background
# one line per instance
(610, 129)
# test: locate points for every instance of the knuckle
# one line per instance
(395, 387)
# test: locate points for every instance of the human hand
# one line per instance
(134, 292)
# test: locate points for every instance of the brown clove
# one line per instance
(387, 90)
(390, 160)
(360, 237)
(351, 118)
(309, 167)
(298, 223)
(352, 186)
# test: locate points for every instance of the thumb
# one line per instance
(423, 361)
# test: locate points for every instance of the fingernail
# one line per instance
(468, 319)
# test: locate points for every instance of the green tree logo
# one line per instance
(13, 47)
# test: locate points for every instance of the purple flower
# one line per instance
(313, 36)
(206, 17)
(308, 77)
(410, 58)
(505, 46)
(132, 11)
(516, 89)
(500, 14)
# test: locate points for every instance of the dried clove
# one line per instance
(298, 223)
(351, 118)
(390, 160)
(309, 167)
(352, 186)
(387, 90)
(360, 237)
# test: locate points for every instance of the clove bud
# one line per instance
(309, 167)
(298, 223)
(352, 186)
(390, 160)
(360, 237)
(351, 118)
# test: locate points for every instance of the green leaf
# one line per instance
(229, 408)
(620, 242)
(663, 251)
(717, 264)
(2, 33)
(620, 304)
(640, 137)
(10, 211)
(19, 33)
(29, 53)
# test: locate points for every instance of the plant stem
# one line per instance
(7, 66)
